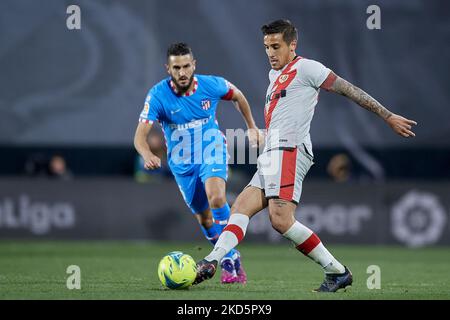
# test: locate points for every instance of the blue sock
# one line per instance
(220, 217)
(211, 234)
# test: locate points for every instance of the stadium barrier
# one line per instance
(412, 214)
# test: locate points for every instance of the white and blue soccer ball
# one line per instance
(177, 270)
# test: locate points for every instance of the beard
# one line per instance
(182, 89)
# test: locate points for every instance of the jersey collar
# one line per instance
(186, 94)
(290, 64)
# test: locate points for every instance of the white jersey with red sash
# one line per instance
(291, 97)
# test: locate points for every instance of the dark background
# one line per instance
(79, 92)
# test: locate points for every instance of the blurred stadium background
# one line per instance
(70, 100)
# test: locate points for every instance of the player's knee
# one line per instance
(235, 208)
(217, 201)
(238, 206)
(278, 221)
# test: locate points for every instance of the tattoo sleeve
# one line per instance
(362, 98)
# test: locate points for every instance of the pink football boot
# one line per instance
(240, 272)
(228, 272)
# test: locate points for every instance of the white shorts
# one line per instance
(281, 172)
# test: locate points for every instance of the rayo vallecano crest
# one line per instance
(283, 78)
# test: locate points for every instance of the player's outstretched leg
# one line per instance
(215, 190)
(232, 234)
(230, 264)
(251, 201)
(231, 260)
(248, 203)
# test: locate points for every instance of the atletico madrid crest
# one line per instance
(206, 104)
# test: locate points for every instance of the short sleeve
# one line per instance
(313, 73)
(152, 109)
(222, 88)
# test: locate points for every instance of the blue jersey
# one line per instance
(189, 120)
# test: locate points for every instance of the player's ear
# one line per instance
(193, 63)
(167, 68)
(293, 45)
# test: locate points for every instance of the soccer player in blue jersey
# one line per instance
(185, 105)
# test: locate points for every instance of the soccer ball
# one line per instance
(177, 270)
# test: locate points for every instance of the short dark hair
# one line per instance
(283, 26)
(178, 49)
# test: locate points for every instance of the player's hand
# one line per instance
(401, 126)
(255, 137)
(152, 162)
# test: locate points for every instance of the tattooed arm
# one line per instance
(400, 125)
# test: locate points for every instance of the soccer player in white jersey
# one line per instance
(292, 94)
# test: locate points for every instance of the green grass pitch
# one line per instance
(128, 270)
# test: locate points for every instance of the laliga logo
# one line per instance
(37, 217)
(418, 219)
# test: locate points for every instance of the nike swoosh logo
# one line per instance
(215, 170)
(175, 111)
